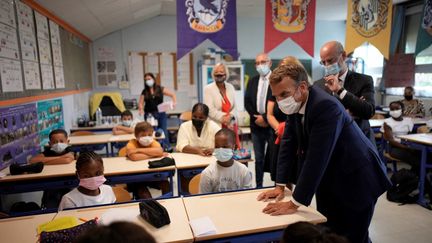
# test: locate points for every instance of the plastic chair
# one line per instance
(194, 184)
(122, 195)
(122, 152)
(423, 129)
(186, 116)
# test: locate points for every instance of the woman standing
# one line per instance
(219, 96)
(150, 98)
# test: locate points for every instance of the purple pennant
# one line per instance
(198, 20)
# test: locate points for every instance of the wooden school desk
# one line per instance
(118, 170)
(423, 142)
(177, 231)
(23, 229)
(100, 128)
(83, 142)
(238, 216)
(189, 165)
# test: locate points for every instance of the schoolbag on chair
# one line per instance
(404, 183)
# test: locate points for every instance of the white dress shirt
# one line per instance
(188, 135)
(263, 85)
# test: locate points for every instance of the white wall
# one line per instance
(160, 34)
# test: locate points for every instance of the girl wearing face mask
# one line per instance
(197, 136)
(226, 174)
(150, 98)
(398, 125)
(91, 190)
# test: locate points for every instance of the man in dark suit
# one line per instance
(354, 90)
(255, 101)
(337, 161)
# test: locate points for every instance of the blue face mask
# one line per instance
(263, 69)
(223, 154)
(332, 69)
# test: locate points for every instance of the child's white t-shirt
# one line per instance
(216, 178)
(399, 127)
(75, 198)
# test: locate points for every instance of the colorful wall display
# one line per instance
(50, 117)
(18, 134)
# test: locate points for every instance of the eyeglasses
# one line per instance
(262, 62)
(329, 61)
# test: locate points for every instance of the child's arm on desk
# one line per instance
(144, 153)
(57, 160)
(120, 130)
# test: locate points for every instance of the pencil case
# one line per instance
(167, 161)
(154, 213)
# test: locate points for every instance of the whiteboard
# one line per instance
(136, 73)
(9, 42)
(31, 75)
(7, 13)
(10, 74)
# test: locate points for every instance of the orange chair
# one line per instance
(194, 184)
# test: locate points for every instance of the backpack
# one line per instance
(404, 183)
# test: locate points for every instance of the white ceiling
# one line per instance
(96, 18)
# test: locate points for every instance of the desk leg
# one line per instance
(423, 162)
(112, 149)
(107, 150)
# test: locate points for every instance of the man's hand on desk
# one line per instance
(280, 208)
(277, 192)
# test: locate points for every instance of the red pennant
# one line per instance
(284, 21)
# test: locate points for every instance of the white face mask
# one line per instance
(127, 123)
(396, 113)
(59, 147)
(289, 105)
(149, 82)
(146, 141)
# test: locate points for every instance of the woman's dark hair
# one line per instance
(201, 106)
(304, 232)
(87, 157)
(119, 232)
(398, 102)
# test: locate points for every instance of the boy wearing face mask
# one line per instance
(398, 125)
(91, 190)
(58, 152)
(226, 174)
(128, 124)
(143, 146)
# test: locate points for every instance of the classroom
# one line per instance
(216, 121)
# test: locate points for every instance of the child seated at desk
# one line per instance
(197, 136)
(128, 124)
(91, 190)
(226, 174)
(58, 151)
(141, 148)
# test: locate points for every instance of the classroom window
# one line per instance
(373, 60)
(423, 61)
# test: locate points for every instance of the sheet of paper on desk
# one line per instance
(202, 226)
(119, 214)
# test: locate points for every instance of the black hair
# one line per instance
(201, 106)
(227, 132)
(57, 131)
(126, 113)
(119, 232)
(304, 232)
(398, 102)
(87, 157)
(157, 88)
(410, 88)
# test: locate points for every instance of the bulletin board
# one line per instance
(177, 76)
(18, 134)
(50, 117)
(41, 57)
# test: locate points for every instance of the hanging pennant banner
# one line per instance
(290, 19)
(424, 36)
(369, 21)
(198, 20)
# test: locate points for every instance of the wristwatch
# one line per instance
(340, 91)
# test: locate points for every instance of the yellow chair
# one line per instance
(423, 129)
(194, 184)
(186, 116)
(122, 195)
(122, 152)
